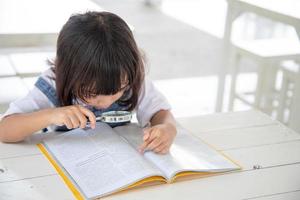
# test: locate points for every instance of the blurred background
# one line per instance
(204, 56)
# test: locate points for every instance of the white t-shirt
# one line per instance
(150, 100)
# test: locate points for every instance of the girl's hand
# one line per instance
(72, 116)
(158, 138)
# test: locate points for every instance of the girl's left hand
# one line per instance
(158, 138)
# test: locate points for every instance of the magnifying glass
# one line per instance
(114, 118)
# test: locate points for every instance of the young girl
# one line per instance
(98, 68)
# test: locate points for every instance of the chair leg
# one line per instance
(282, 98)
(259, 85)
(269, 88)
(234, 75)
(290, 100)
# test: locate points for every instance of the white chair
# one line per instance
(290, 70)
(267, 53)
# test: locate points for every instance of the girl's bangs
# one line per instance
(95, 84)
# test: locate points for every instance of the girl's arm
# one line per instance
(159, 137)
(164, 117)
(17, 127)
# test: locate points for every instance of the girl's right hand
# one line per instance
(73, 116)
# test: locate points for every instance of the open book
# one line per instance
(98, 162)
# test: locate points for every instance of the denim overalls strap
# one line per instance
(48, 90)
(50, 93)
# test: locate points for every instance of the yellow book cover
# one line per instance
(98, 162)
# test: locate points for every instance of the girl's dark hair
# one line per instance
(96, 55)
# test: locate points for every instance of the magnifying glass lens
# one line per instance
(116, 117)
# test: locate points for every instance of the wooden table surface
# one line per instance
(249, 137)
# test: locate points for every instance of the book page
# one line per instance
(98, 160)
(187, 153)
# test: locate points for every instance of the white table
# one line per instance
(285, 11)
(249, 137)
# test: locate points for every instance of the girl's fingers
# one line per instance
(146, 134)
(82, 119)
(143, 147)
(160, 148)
(74, 120)
(155, 143)
(89, 114)
(152, 141)
(164, 151)
(148, 140)
(154, 133)
(68, 123)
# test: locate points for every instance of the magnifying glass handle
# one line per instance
(99, 118)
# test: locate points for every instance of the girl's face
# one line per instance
(104, 101)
